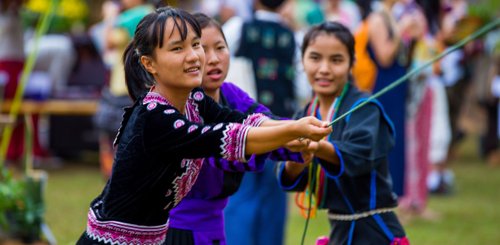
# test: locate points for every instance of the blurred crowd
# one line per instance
(82, 59)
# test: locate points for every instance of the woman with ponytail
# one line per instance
(169, 130)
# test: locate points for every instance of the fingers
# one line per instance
(313, 147)
(305, 142)
(313, 121)
(298, 145)
(313, 128)
(317, 134)
(307, 157)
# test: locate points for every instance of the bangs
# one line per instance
(181, 20)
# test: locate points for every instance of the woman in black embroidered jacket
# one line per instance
(168, 131)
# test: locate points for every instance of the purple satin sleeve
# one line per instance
(256, 162)
(283, 154)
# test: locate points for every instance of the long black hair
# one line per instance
(432, 11)
(149, 35)
(204, 21)
(336, 29)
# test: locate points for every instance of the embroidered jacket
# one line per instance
(202, 208)
(159, 155)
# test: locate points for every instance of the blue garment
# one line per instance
(256, 214)
(394, 103)
(361, 181)
(260, 205)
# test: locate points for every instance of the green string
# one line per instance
(41, 29)
(458, 45)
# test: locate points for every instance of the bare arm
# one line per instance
(327, 152)
(321, 149)
(113, 36)
(294, 169)
(384, 47)
(265, 139)
(272, 123)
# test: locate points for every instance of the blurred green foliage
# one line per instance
(68, 14)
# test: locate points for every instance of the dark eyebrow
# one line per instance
(179, 41)
(175, 42)
(314, 53)
(337, 56)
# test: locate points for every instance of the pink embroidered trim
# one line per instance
(115, 232)
(400, 241)
(192, 111)
(234, 141)
(184, 182)
(198, 96)
(255, 120)
(155, 97)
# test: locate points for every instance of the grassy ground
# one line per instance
(468, 217)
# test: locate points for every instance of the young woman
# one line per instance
(168, 131)
(349, 173)
(198, 219)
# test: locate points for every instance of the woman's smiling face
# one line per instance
(178, 64)
(326, 62)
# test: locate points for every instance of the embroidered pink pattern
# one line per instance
(169, 192)
(218, 126)
(115, 232)
(192, 128)
(156, 98)
(169, 111)
(198, 96)
(192, 111)
(184, 182)
(205, 129)
(234, 141)
(184, 162)
(400, 241)
(255, 120)
(151, 106)
(179, 123)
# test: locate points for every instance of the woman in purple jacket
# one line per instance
(198, 219)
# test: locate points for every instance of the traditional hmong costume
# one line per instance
(260, 204)
(270, 46)
(159, 155)
(358, 191)
(198, 219)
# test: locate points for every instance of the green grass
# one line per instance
(69, 193)
(469, 216)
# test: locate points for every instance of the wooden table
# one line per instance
(5, 120)
(77, 107)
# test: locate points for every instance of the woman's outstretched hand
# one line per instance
(308, 153)
(298, 145)
(312, 128)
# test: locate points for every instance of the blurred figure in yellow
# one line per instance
(120, 20)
